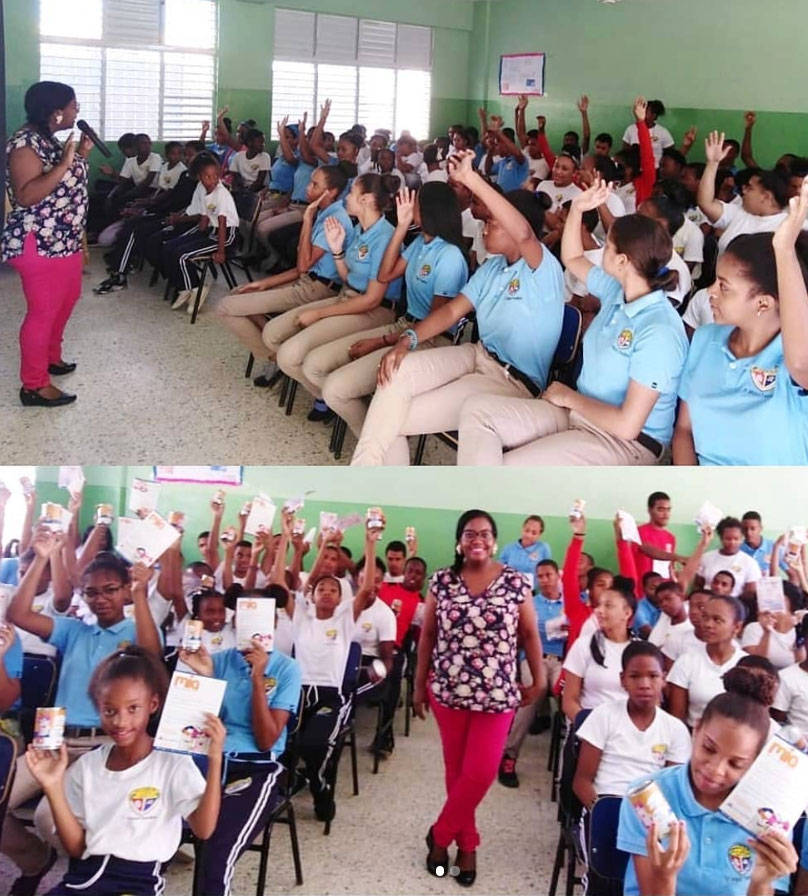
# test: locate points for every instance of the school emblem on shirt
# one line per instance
(659, 752)
(211, 206)
(625, 338)
(122, 645)
(764, 378)
(367, 626)
(513, 286)
(740, 857)
(362, 253)
(270, 684)
(143, 799)
(425, 271)
(331, 634)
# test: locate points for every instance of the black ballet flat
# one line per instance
(61, 369)
(438, 869)
(31, 398)
(465, 878)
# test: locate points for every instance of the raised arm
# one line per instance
(511, 149)
(212, 550)
(747, 156)
(519, 121)
(715, 152)
(365, 592)
(146, 634)
(229, 139)
(692, 563)
(286, 147)
(576, 612)
(586, 132)
(316, 143)
(572, 247)
(688, 140)
(27, 533)
(544, 146)
(644, 183)
(393, 263)
(20, 611)
(48, 769)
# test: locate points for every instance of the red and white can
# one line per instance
(49, 727)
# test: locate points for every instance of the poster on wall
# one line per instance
(521, 73)
(222, 475)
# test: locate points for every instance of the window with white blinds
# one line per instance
(136, 65)
(375, 73)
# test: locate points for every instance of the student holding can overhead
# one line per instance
(518, 296)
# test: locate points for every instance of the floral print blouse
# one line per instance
(474, 663)
(58, 220)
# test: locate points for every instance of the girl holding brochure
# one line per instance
(118, 810)
(707, 854)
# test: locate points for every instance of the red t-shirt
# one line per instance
(403, 603)
(660, 538)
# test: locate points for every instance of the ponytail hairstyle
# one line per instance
(530, 207)
(440, 213)
(131, 662)
(755, 253)
(746, 703)
(107, 561)
(462, 522)
(597, 643)
(42, 100)
(648, 247)
(202, 594)
(336, 177)
(379, 186)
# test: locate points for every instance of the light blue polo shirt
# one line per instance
(762, 554)
(643, 340)
(301, 179)
(523, 559)
(646, 614)
(743, 410)
(436, 268)
(326, 266)
(12, 663)
(10, 571)
(82, 648)
(282, 176)
(547, 609)
(519, 311)
(363, 255)
(720, 860)
(510, 174)
(282, 683)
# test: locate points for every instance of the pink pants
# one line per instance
(472, 749)
(51, 286)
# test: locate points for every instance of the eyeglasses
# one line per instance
(475, 535)
(109, 591)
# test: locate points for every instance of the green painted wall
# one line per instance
(432, 498)
(21, 24)
(708, 61)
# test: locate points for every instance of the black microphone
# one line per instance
(82, 125)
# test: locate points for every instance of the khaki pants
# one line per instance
(328, 332)
(536, 433)
(269, 222)
(343, 383)
(236, 311)
(525, 714)
(27, 850)
(426, 395)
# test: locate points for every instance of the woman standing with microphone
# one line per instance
(474, 614)
(43, 233)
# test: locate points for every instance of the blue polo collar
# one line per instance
(632, 309)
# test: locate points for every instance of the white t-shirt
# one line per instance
(321, 645)
(688, 242)
(680, 642)
(169, 176)
(539, 170)
(217, 202)
(741, 565)
(598, 683)
(284, 633)
(427, 177)
(218, 578)
(213, 642)
(792, 696)
(393, 580)
(628, 193)
(473, 230)
(362, 157)
(736, 220)
(664, 630)
(701, 678)
(781, 646)
(698, 310)
(677, 295)
(138, 173)
(347, 594)
(249, 170)
(617, 207)
(660, 139)
(135, 814)
(628, 753)
(697, 216)
(572, 285)
(376, 623)
(558, 195)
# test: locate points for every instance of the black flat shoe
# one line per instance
(267, 382)
(315, 415)
(31, 398)
(438, 869)
(62, 369)
(465, 878)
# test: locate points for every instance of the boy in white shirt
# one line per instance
(141, 171)
(730, 557)
(173, 166)
(408, 160)
(251, 168)
(674, 620)
(561, 188)
(661, 137)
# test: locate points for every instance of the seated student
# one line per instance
(527, 551)
(10, 668)
(432, 169)
(690, 179)
(328, 562)
(623, 409)
(755, 542)
(224, 147)
(387, 165)
(661, 137)
(791, 703)
(426, 391)
(368, 158)
(250, 168)
(679, 644)
(561, 187)
(208, 607)
(376, 625)
(138, 175)
(730, 558)
(513, 168)
(408, 160)
(113, 846)
(263, 690)
(648, 609)
(322, 643)
(774, 635)
(82, 646)
(723, 583)
(592, 664)
(696, 676)
(215, 228)
(674, 622)
(51, 595)
(759, 339)
(549, 606)
(671, 217)
(671, 164)
(434, 269)
(405, 599)
(695, 861)
(630, 736)
(688, 238)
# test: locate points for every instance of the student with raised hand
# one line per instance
(513, 168)
(752, 363)
(730, 558)
(529, 141)
(633, 353)
(425, 391)
(435, 270)
(660, 136)
(251, 167)
(697, 859)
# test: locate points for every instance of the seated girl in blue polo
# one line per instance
(707, 854)
(623, 409)
(744, 390)
(10, 668)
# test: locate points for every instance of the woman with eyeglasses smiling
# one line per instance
(82, 647)
(475, 612)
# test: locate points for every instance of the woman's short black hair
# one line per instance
(440, 213)
(43, 99)
(529, 207)
(641, 648)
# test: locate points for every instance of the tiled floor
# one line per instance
(376, 844)
(152, 387)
